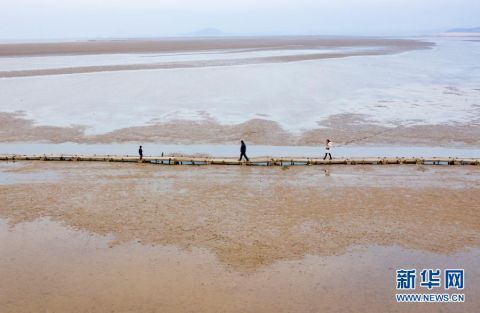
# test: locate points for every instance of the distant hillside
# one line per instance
(468, 32)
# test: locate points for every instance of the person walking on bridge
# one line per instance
(243, 151)
(328, 146)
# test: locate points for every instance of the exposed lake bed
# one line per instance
(137, 237)
(422, 91)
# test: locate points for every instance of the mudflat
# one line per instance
(345, 128)
(138, 237)
(198, 44)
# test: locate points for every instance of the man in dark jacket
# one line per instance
(243, 151)
(140, 152)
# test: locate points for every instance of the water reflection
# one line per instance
(46, 266)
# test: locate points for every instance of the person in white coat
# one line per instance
(328, 147)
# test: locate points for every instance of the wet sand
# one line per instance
(198, 44)
(346, 129)
(136, 237)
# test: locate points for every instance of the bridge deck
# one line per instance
(268, 161)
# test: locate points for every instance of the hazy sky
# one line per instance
(70, 19)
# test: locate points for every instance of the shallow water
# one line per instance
(233, 150)
(26, 178)
(46, 266)
(10, 175)
(48, 62)
(417, 87)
